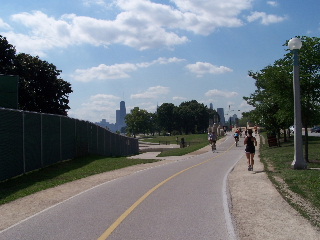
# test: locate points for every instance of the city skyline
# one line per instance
(120, 119)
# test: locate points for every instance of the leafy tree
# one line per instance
(166, 117)
(137, 121)
(153, 125)
(309, 84)
(246, 117)
(40, 88)
(273, 99)
(193, 117)
(7, 55)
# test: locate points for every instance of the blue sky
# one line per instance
(149, 52)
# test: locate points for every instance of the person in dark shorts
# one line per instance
(250, 150)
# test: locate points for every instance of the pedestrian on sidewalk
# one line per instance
(250, 150)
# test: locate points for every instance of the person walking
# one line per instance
(250, 150)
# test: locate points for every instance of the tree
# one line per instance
(310, 84)
(153, 123)
(137, 121)
(166, 116)
(193, 117)
(7, 55)
(273, 99)
(40, 88)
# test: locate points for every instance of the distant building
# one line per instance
(120, 119)
(220, 111)
(103, 123)
(211, 106)
(120, 116)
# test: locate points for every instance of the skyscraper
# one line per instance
(220, 111)
(120, 116)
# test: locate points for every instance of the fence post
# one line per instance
(23, 144)
(60, 140)
(41, 148)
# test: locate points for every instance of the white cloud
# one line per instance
(203, 17)
(160, 60)
(97, 107)
(179, 98)
(152, 93)
(201, 68)
(4, 25)
(245, 107)
(219, 93)
(140, 24)
(266, 19)
(116, 71)
(103, 72)
(100, 3)
(272, 3)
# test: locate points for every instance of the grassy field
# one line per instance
(298, 187)
(195, 142)
(61, 173)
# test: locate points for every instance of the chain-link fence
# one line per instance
(29, 141)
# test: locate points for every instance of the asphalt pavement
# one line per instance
(257, 208)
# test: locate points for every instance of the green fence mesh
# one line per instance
(9, 91)
(51, 151)
(68, 138)
(29, 141)
(11, 144)
(32, 141)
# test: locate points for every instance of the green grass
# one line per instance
(172, 139)
(305, 183)
(197, 141)
(61, 173)
(183, 151)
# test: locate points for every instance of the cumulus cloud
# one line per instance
(201, 68)
(141, 24)
(179, 98)
(220, 93)
(4, 25)
(266, 19)
(104, 72)
(272, 3)
(100, 3)
(97, 107)
(116, 71)
(160, 60)
(152, 93)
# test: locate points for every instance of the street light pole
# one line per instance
(298, 162)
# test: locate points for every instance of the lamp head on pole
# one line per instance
(295, 43)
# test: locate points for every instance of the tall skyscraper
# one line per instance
(211, 106)
(220, 111)
(120, 116)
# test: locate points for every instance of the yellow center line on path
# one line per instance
(108, 232)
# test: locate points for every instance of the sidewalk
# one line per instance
(258, 209)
